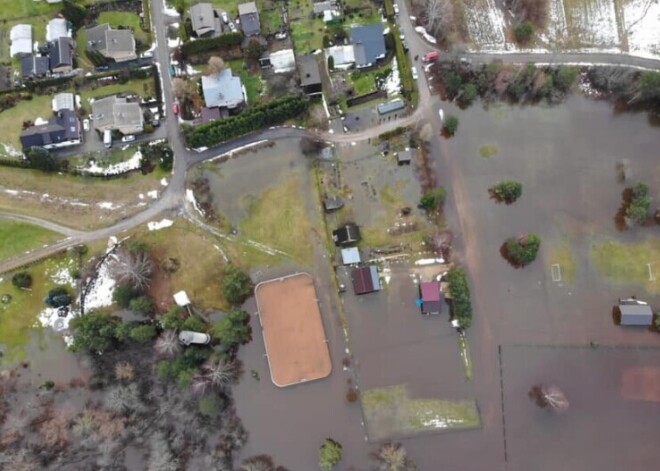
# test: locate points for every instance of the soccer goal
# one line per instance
(556, 272)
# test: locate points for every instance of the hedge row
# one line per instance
(408, 86)
(210, 44)
(461, 306)
(269, 114)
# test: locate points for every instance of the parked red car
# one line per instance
(431, 56)
(175, 107)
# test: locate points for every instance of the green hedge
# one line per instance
(207, 45)
(389, 9)
(461, 307)
(269, 114)
(408, 86)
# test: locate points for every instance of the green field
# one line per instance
(140, 87)
(40, 106)
(307, 35)
(18, 237)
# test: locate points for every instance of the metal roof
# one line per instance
(249, 16)
(365, 280)
(222, 89)
(430, 290)
(636, 314)
(350, 256)
(309, 70)
(369, 43)
(57, 28)
(390, 106)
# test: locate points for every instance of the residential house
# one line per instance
(431, 297)
(249, 18)
(282, 61)
(329, 10)
(21, 40)
(350, 256)
(310, 75)
(343, 56)
(62, 130)
(365, 280)
(205, 20)
(635, 313)
(63, 101)
(34, 66)
(368, 44)
(348, 234)
(115, 44)
(114, 113)
(60, 55)
(406, 156)
(223, 90)
(57, 28)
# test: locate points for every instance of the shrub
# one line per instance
(523, 32)
(433, 200)
(40, 159)
(329, 454)
(233, 329)
(523, 250)
(221, 42)
(123, 295)
(58, 297)
(507, 191)
(274, 112)
(469, 94)
(236, 286)
(565, 77)
(638, 209)
(174, 318)
(331, 63)
(94, 332)
(451, 125)
(461, 306)
(453, 84)
(193, 323)
(22, 280)
(143, 333)
(210, 406)
(142, 305)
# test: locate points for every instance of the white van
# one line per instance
(107, 138)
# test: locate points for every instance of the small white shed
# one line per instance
(181, 299)
(350, 256)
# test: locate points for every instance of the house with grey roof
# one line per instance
(635, 313)
(368, 44)
(249, 18)
(223, 90)
(60, 55)
(114, 113)
(115, 44)
(205, 20)
(62, 130)
(310, 75)
(34, 66)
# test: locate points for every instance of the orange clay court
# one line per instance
(293, 330)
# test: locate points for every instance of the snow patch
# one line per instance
(641, 20)
(153, 194)
(114, 169)
(107, 205)
(101, 293)
(594, 23)
(485, 23)
(169, 11)
(163, 181)
(156, 225)
(190, 197)
(393, 81)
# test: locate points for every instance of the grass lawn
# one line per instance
(81, 44)
(278, 219)
(390, 412)
(11, 120)
(125, 18)
(201, 264)
(271, 20)
(106, 157)
(11, 9)
(18, 237)
(563, 255)
(253, 84)
(307, 34)
(85, 192)
(141, 87)
(18, 318)
(38, 23)
(629, 262)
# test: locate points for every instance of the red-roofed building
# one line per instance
(431, 297)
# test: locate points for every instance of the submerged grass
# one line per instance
(629, 263)
(564, 257)
(390, 413)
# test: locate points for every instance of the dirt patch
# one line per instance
(293, 330)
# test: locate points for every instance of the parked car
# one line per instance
(414, 72)
(107, 138)
(431, 56)
(86, 125)
(175, 108)
(155, 123)
(225, 18)
(396, 9)
(129, 138)
(188, 337)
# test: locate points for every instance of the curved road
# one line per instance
(173, 198)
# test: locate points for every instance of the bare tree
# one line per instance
(439, 17)
(216, 373)
(216, 65)
(123, 399)
(167, 345)
(393, 457)
(258, 463)
(183, 89)
(161, 457)
(549, 396)
(133, 268)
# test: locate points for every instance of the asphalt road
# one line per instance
(173, 198)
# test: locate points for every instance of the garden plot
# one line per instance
(641, 20)
(485, 23)
(592, 23)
